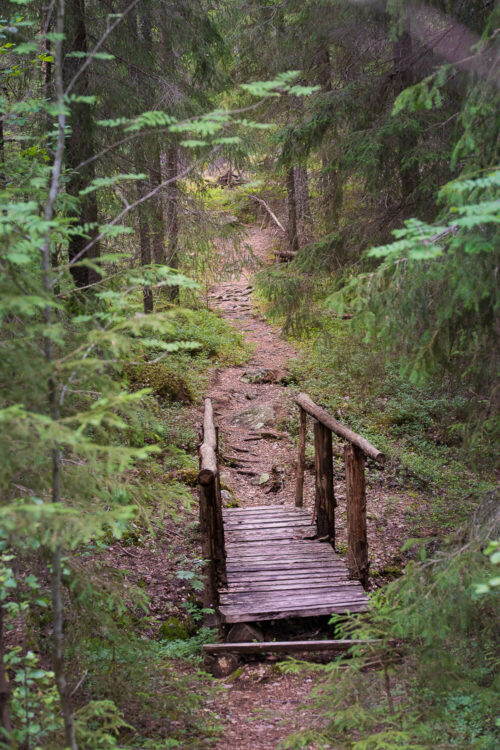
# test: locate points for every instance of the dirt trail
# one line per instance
(250, 402)
(260, 705)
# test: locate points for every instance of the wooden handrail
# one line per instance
(208, 448)
(338, 428)
(324, 507)
(211, 522)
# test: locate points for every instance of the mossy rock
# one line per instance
(189, 477)
(164, 382)
(173, 629)
(229, 500)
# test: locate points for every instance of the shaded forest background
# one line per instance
(138, 141)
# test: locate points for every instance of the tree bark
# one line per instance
(53, 404)
(333, 194)
(293, 237)
(2, 151)
(171, 168)
(157, 221)
(302, 195)
(80, 147)
(4, 691)
(330, 179)
(145, 246)
(403, 78)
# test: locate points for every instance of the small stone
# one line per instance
(256, 416)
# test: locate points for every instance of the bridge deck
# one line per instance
(275, 569)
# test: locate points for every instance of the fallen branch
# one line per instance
(269, 211)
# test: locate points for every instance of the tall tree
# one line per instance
(80, 149)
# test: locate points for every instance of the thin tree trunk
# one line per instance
(157, 221)
(172, 214)
(403, 78)
(80, 146)
(293, 238)
(57, 600)
(5, 723)
(330, 179)
(155, 203)
(333, 194)
(147, 293)
(302, 195)
(2, 151)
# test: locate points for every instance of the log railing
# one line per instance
(355, 453)
(211, 524)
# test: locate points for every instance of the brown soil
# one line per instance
(248, 453)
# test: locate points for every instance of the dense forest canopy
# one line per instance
(140, 141)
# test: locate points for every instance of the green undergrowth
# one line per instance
(182, 376)
(429, 677)
(133, 657)
(423, 429)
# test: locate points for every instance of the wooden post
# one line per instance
(301, 460)
(357, 544)
(211, 522)
(219, 543)
(207, 501)
(325, 499)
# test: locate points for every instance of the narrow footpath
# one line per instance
(252, 405)
(251, 402)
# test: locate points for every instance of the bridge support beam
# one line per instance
(357, 543)
(325, 498)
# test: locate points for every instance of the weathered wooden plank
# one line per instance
(263, 550)
(253, 517)
(284, 599)
(273, 580)
(284, 609)
(263, 509)
(280, 586)
(270, 581)
(278, 518)
(258, 508)
(277, 553)
(333, 588)
(232, 615)
(295, 559)
(281, 567)
(264, 525)
(282, 533)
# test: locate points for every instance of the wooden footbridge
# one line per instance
(275, 562)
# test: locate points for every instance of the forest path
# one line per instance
(251, 402)
(260, 705)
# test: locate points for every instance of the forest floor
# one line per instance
(254, 409)
(259, 704)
